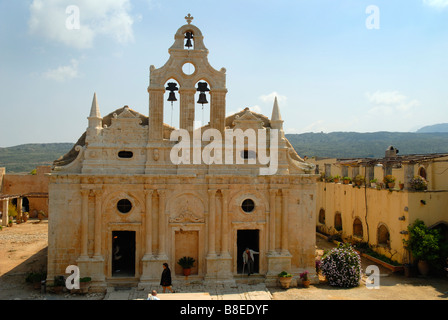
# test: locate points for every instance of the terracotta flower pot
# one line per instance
(423, 267)
(391, 185)
(84, 287)
(187, 271)
(285, 282)
(306, 283)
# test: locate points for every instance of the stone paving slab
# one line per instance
(196, 292)
(184, 296)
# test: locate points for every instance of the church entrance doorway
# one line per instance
(123, 253)
(248, 239)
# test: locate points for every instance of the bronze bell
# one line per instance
(172, 97)
(188, 36)
(172, 86)
(202, 98)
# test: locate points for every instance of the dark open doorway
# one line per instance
(123, 253)
(248, 239)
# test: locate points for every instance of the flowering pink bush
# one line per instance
(342, 267)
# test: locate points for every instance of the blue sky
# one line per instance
(329, 71)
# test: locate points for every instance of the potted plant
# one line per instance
(305, 280)
(10, 223)
(373, 183)
(389, 180)
(347, 180)
(336, 178)
(36, 279)
(359, 180)
(285, 279)
(41, 215)
(424, 244)
(59, 284)
(186, 263)
(401, 185)
(418, 183)
(84, 284)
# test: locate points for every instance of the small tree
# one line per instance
(12, 211)
(423, 242)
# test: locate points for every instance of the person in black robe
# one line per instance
(165, 282)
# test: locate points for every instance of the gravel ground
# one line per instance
(23, 248)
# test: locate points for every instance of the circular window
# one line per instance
(124, 205)
(188, 68)
(248, 205)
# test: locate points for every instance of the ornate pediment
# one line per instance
(248, 120)
(186, 216)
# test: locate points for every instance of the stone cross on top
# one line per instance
(189, 18)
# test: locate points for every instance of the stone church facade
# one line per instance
(118, 189)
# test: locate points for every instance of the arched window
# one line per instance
(322, 216)
(189, 40)
(383, 236)
(357, 228)
(422, 172)
(338, 221)
(171, 114)
(202, 108)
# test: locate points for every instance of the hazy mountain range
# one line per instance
(441, 127)
(25, 158)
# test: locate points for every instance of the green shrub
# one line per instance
(423, 243)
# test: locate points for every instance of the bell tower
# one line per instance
(188, 49)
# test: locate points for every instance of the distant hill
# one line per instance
(441, 127)
(367, 145)
(26, 157)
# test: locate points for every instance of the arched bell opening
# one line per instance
(189, 40)
(202, 106)
(171, 107)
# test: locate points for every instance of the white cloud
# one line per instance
(106, 17)
(63, 73)
(389, 102)
(436, 3)
(269, 98)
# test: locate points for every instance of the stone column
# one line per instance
(97, 226)
(278, 261)
(162, 231)
(84, 221)
(211, 223)
(218, 109)
(151, 264)
(155, 113)
(408, 174)
(148, 223)
(225, 224)
(5, 215)
(187, 109)
(284, 247)
(19, 208)
(272, 196)
(95, 265)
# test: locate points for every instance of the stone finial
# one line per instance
(189, 18)
(95, 110)
(276, 111)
